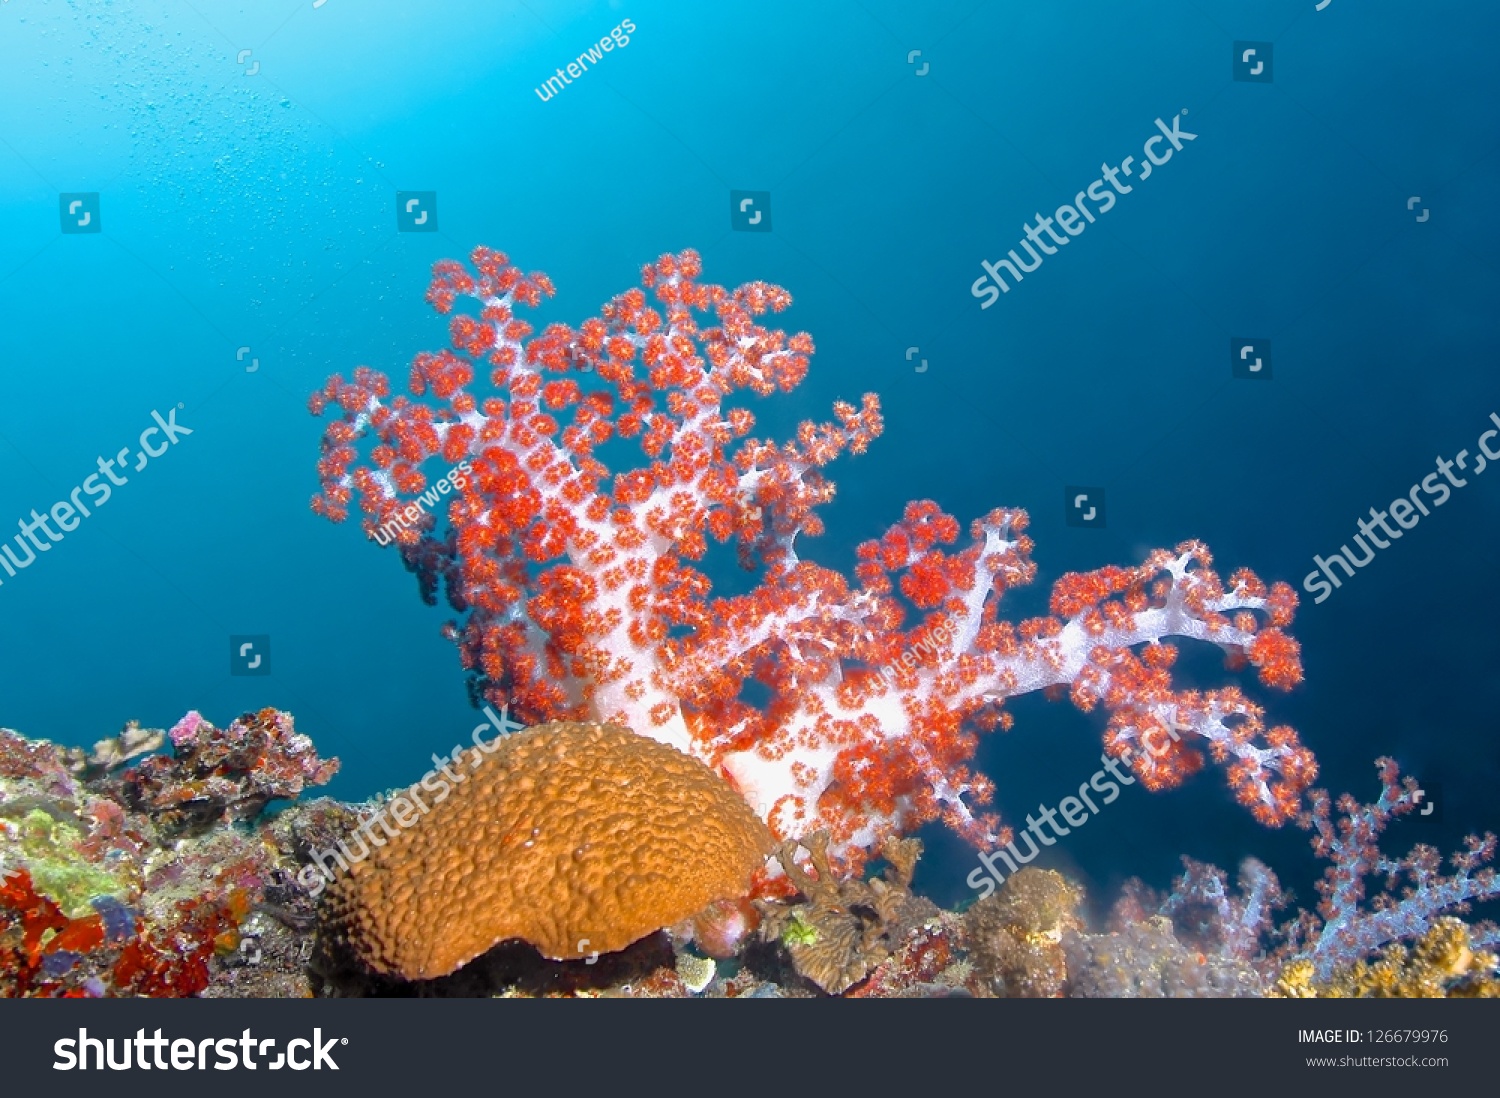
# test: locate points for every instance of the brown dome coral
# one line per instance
(577, 838)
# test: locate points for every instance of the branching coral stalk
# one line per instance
(1414, 898)
(1349, 932)
(580, 597)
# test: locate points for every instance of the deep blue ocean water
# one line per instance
(249, 249)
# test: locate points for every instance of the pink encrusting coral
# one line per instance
(581, 599)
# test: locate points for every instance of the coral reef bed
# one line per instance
(128, 873)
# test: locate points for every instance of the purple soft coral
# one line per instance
(1208, 915)
(1347, 933)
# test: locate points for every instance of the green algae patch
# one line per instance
(49, 850)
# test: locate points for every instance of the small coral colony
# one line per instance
(703, 782)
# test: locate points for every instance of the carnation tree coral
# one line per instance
(579, 597)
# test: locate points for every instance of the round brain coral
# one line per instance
(577, 838)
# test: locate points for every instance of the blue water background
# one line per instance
(259, 211)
